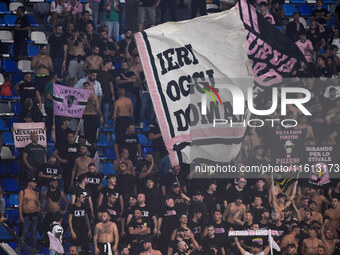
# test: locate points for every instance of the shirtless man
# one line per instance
(94, 61)
(42, 65)
(327, 237)
(137, 68)
(316, 216)
(77, 44)
(310, 245)
(81, 163)
(147, 246)
(105, 236)
(290, 238)
(91, 114)
(29, 208)
(53, 198)
(123, 158)
(233, 208)
(280, 202)
(122, 112)
(334, 214)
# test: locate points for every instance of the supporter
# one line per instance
(255, 249)
(257, 208)
(176, 177)
(48, 104)
(221, 227)
(168, 4)
(233, 208)
(110, 17)
(153, 195)
(263, 6)
(57, 11)
(90, 35)
(158, 146)
(294, 27)
(93, 116)
(238, 190)
(305, 46)
(95, 86)
(34, 156)
(122, 113)
(334, 39)
(126, 79)
(27, 90)
(290, 238)
(127, 43)
(73, 250)
(29, 209)
(94, 6)
(196, 224)
(211, 242)
(56, 229)
(57, 50)
(61, 133)
(81, 163)
(107, 49)
(79, 224)
(146, 105)
(83, 21)
(82, 188)
(129, 139)
(22, 26)
(123, 158)
(53, 197)
(111, 188)
(29, 111)
(105, 236)
(47, 171)
(320, 14)
(112, 208)
(77, 46)
(74, 10)
(94, 61)
(105, 78)
(333, 214)
(139, 229)
(148, 250)
(125, 182)
(316, 36)
(42, 66)
(211, 198)
(147, 8)
(310, 245)
(146, 171)
(94, 183)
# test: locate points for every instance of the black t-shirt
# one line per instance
(125, 184)
(22, 22)
(27, 90)
(129, 142)
(197, 229)
(94, 180)
(170, 219)
(257, 212)
(70, 153)
(148, 3)
(61, 137)
(233, 193)
(113, 211)
(221, 230)
(147, 211)
(51, 170)
(158, 144)
(106, 191)
(122, 46)
(139, 225)
(318, 14)
(128, 86)
(207, 243)
(57, 46)
(211, 201)
(283, 230)
(104, 78)
(263, 194)
(35, 154)
(78, 216)
(103, 46)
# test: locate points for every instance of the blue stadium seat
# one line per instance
(17, 77)
(50, 150)
(143, 140)
(332, 22)
(16, 108)
(4, 8)
(16, 152)
(9, 20)
(146, 149)
(2, 23)
(110, 123)
(9, 66)
(304, 9)
(7, 204)
(324, 6)
(4, 234)
(10, 122)
(7, 138)
(297, 1)
(14, 200)
(32, 51)
(107, 168)
(13, 216)
(114, 137)
(11, 50)
(329, 2)
(10, 185)
(3, 126)
(110, 153)
(14, 167)
(32, 21)
(3, 169)
(105, 140)
(289, 9)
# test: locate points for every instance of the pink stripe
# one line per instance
(144, 56)
(243, 5)
(212, 132)
(254, 18)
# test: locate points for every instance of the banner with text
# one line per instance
(68, 101)
(22, 133)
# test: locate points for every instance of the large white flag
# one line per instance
(198, 71)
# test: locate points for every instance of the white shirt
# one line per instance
(58, 9)
(57, 229)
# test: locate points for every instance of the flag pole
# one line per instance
(270, 241)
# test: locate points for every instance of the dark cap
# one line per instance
(150, 178)
(54, 178)
(281, 195)
(175, 185)
(33, 179)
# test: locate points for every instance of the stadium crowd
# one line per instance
(149, 206)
